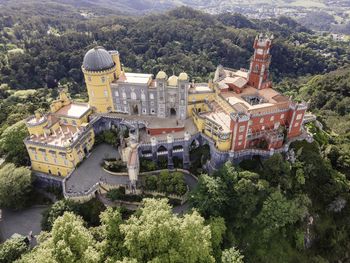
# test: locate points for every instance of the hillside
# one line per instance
(289, 208)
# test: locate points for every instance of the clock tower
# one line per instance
(260, 62)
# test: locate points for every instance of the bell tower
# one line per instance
(260, 62)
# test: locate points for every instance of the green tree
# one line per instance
(156, 235)
(217, 229)
(53, 212)
(231, 255)
(15, 186)
(278, 211)
(277, 171)
(11, 143)
(12, 249)
(71, 241)
(112, 245)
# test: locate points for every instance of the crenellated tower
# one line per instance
(260, 62)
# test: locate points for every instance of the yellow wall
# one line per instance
(37, 129)
(55, 163)
(99, 90)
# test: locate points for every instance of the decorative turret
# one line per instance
(100, 68)
(260, 62)
(172, 81)
(161, 75)
(183, 76)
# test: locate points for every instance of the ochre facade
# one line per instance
(238, 109)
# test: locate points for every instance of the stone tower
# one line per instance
(183, 83)
(260, 62)
(161, 93)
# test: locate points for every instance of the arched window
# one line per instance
(124, 94)
(151, 96)
(256, 67)
(133, 95)
(143, 96)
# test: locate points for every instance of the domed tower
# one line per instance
(183, 84)
(100, 68)
(161, 79)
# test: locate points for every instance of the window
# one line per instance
(45, 157)
(282, 116)
(105, 93)
(151, 96)
(144, 111)
(89, 78)
(143, 96)
(296, 124)
(116, 93)
(126, 109)
(239, 143)
(272, 118)
(133, 95)
(240, 138)
(153, 111)
(256, 67)
(54, 160)
(299, 116)
(65, 162)
(241, 128)
(36, 157)
(103, 79)
(124, 102)
(124, 94)
(262, 120)
(263, 127)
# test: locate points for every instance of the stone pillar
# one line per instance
(154, 149)
(186, 152)
(170, 140)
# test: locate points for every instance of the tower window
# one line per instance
(124, 94)
(151, 96)
(143, 97)
(256, 67)
(116, 93)
(105, 93)
(103, 79)
(133, 95)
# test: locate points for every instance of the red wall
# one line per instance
(157, 131)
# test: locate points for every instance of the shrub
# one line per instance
(12, 249)
(147, 165)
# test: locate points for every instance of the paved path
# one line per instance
(91, 172)
(21, 222)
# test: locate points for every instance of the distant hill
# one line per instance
(320, 15)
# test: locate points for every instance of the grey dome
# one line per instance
(97, 59)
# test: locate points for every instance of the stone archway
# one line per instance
(135, 109)
(172, 112)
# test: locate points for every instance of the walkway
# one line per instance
(21, 222)
(90, 171)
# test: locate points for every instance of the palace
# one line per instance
(238, 114)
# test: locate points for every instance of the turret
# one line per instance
(260, 63)
(100, 68)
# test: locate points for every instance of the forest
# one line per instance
(273, 210)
